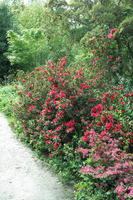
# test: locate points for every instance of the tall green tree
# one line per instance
(43, 34)
(5, 25)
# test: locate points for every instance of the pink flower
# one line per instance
(37, 128)
(114, 30)
(55, 145)
(32, 72)
(53, 92)
(24, 125)
(20, 92)
(50, 155)
(83, 151)
(26, 130)
(31, 108)
(130, 194)
(29, 94)
(111, 36)
(58, 128)
(50, 78)
(70, 129)
(120, 189)
(118, 58)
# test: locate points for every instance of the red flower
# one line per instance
(129, 95)
(85, 139)
(96, 110)
(70, 123)
(21, 92)
(48, 142)
(104, 99)
(131, 141)
(53, 92)
(93, 51)
(112, 97)
(109, 125)
(63, 63)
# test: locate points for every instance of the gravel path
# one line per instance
(22, 176)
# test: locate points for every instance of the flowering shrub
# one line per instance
(108, 163)
(103, 55)
(54, 102)
(114, 115)
(65, 112)
(109, 140)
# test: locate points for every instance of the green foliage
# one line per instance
(8, 97)
(54, 29)
(28, 49)
(88, 190)
(5, 25)
(43, 35)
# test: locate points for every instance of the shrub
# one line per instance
(65, 112)
(109, 144)
(106, 55)
(51, 100)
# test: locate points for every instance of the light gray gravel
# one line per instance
(22, 176)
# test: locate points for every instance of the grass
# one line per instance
(8, 95)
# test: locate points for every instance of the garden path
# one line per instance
(22, 175)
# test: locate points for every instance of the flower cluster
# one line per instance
(109, 162)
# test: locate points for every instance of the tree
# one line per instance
(5, 25)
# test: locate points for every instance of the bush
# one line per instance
(65, 112)
(106, 55)
(53, 95)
